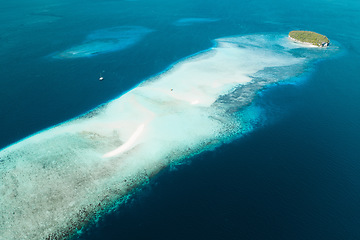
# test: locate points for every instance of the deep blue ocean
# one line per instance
(297, 176)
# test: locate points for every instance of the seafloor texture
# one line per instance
(191, 21)
(105, 41)
(56, 181)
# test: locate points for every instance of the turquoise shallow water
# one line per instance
(296, 176)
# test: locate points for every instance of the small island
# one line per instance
(309, 37)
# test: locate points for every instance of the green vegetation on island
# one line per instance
(313, 38)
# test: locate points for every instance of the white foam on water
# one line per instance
(56, 181)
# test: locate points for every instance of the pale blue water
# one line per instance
(295, 176)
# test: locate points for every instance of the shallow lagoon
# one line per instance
(66, 176)
(316, 147)
(105, 41)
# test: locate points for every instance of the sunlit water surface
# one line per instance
(254, 136)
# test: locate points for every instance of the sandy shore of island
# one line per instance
(304, 43)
